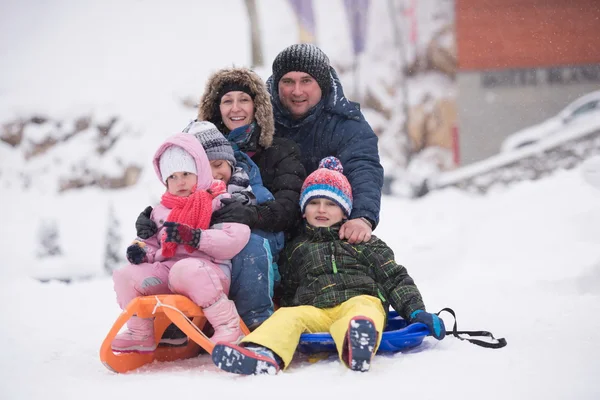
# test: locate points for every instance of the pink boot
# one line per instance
(225, 319)
(138, 338)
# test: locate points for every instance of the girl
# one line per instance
(184, 256)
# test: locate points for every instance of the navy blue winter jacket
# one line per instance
(336, 127)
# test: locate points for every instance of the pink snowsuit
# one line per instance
(204, 275)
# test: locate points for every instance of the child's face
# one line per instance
(323, 213)
(221, 170)
(180, 184)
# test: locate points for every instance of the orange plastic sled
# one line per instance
(165, 309)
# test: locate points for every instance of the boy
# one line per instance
(244, 183)
(330, 285)
(235, 168)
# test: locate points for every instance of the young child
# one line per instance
(184, 256)
(244, 183)
(330, 285)
(233, 168)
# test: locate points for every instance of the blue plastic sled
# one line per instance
(398, 336)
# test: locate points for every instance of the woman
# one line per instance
(237, 102)
(235, 98)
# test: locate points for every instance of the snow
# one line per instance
(590, 170)
(582, 113)
(523, 263)
(566, 135)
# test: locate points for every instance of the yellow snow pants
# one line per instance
(281, 332)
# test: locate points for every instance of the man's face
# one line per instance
(322, 212)
(299, 92)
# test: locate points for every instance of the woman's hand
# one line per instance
(234, 211)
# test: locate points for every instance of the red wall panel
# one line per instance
(493, 34)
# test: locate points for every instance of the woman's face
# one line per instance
(237, 109)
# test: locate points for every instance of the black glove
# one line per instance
(144, 226)
(136, 254)
(182, 234)
(234, 211)
(433, 322)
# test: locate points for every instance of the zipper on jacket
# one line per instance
(333, 264)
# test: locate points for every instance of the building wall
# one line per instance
(520, 62)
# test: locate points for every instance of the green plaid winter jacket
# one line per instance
(319, 269)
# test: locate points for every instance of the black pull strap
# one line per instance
(497, 344)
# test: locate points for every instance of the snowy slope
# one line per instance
(524, 264)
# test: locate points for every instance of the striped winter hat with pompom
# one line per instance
(330, 183)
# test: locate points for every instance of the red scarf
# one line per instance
(194, 211)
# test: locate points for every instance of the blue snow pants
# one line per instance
(254, 274)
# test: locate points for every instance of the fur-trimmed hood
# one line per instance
(208, 109)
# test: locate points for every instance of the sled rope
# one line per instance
(496, 344)
(161, 304)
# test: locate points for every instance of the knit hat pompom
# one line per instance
(328, 182)
(332, 163)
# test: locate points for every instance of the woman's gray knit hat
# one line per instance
(303, 57)
(216, 146)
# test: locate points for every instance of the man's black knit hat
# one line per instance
(303, 57)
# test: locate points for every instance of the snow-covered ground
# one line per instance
(523, 264)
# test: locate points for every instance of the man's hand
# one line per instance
(356, 231)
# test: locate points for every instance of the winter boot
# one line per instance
(361, 339)
(173, 337)
(138, 338)
(251, 360)
(224, 318)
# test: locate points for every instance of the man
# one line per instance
(310, 108)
